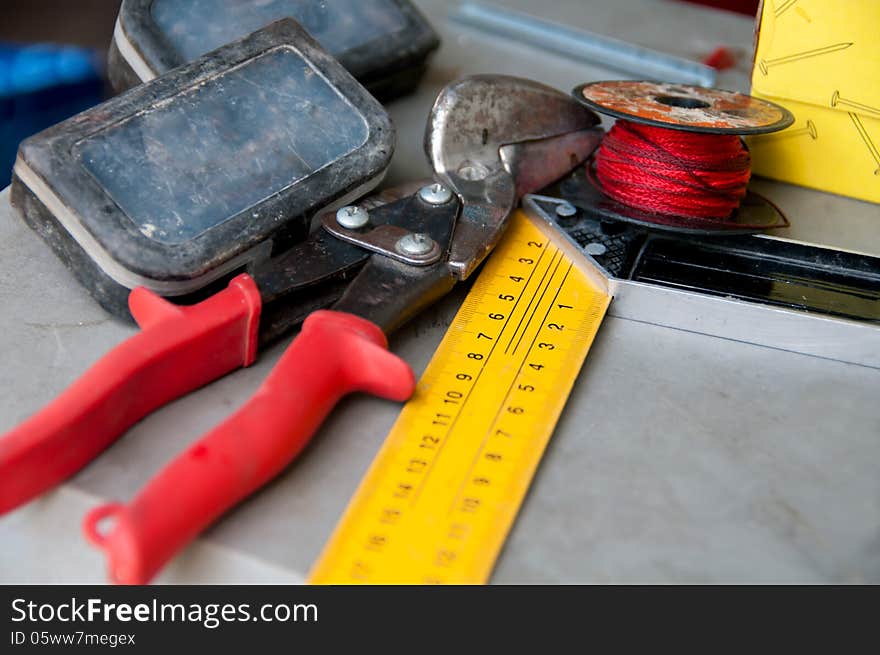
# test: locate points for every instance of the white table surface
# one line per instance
(680, 457)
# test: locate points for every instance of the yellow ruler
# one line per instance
(443, 492)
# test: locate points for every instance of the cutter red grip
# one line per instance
(334, 354)
(179, 349)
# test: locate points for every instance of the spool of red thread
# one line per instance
(671, 172)
(675, 157)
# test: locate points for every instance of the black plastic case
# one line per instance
(188, 179)
(383, 43)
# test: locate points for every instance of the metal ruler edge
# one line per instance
(444, 490)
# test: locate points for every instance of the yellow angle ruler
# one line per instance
(443, 492)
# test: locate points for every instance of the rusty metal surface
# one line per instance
(383, 233)
(464, 147)
(364, 270)
(490, 139)
(684, 107)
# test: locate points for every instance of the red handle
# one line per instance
(178, 350)
(334, 354)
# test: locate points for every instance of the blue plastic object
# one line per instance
(41, 85)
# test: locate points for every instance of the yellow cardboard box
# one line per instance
(821, 60)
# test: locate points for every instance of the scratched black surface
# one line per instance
(176, 170)
(195, 27)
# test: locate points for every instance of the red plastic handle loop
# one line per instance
(334, 354)
(179, 349)
(92, 520)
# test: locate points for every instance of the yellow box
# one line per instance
(821, 60)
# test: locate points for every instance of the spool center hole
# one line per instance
(683, 102)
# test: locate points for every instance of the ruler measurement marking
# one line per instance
(540, 284)
(587, 317)
(519, 296)
(534, 295)
(513, 309)
(473, 303)
(552, 302)
(538, 304)
(544, 250)
(424, 479)
(506, 400)
(502, 519)
(468, 478)
(399, 527)
(482, 293)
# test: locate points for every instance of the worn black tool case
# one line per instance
(180, 183)
(383, 43)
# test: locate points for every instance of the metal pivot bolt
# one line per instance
(435, 194)
(352, 217)
(415, 245)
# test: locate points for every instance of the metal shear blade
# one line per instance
(494, 138)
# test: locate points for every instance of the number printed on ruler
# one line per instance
(444, 490)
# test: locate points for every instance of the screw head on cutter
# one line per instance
(415, 245)
(352, 217)
(435, 194)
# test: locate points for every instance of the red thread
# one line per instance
(673, 172)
